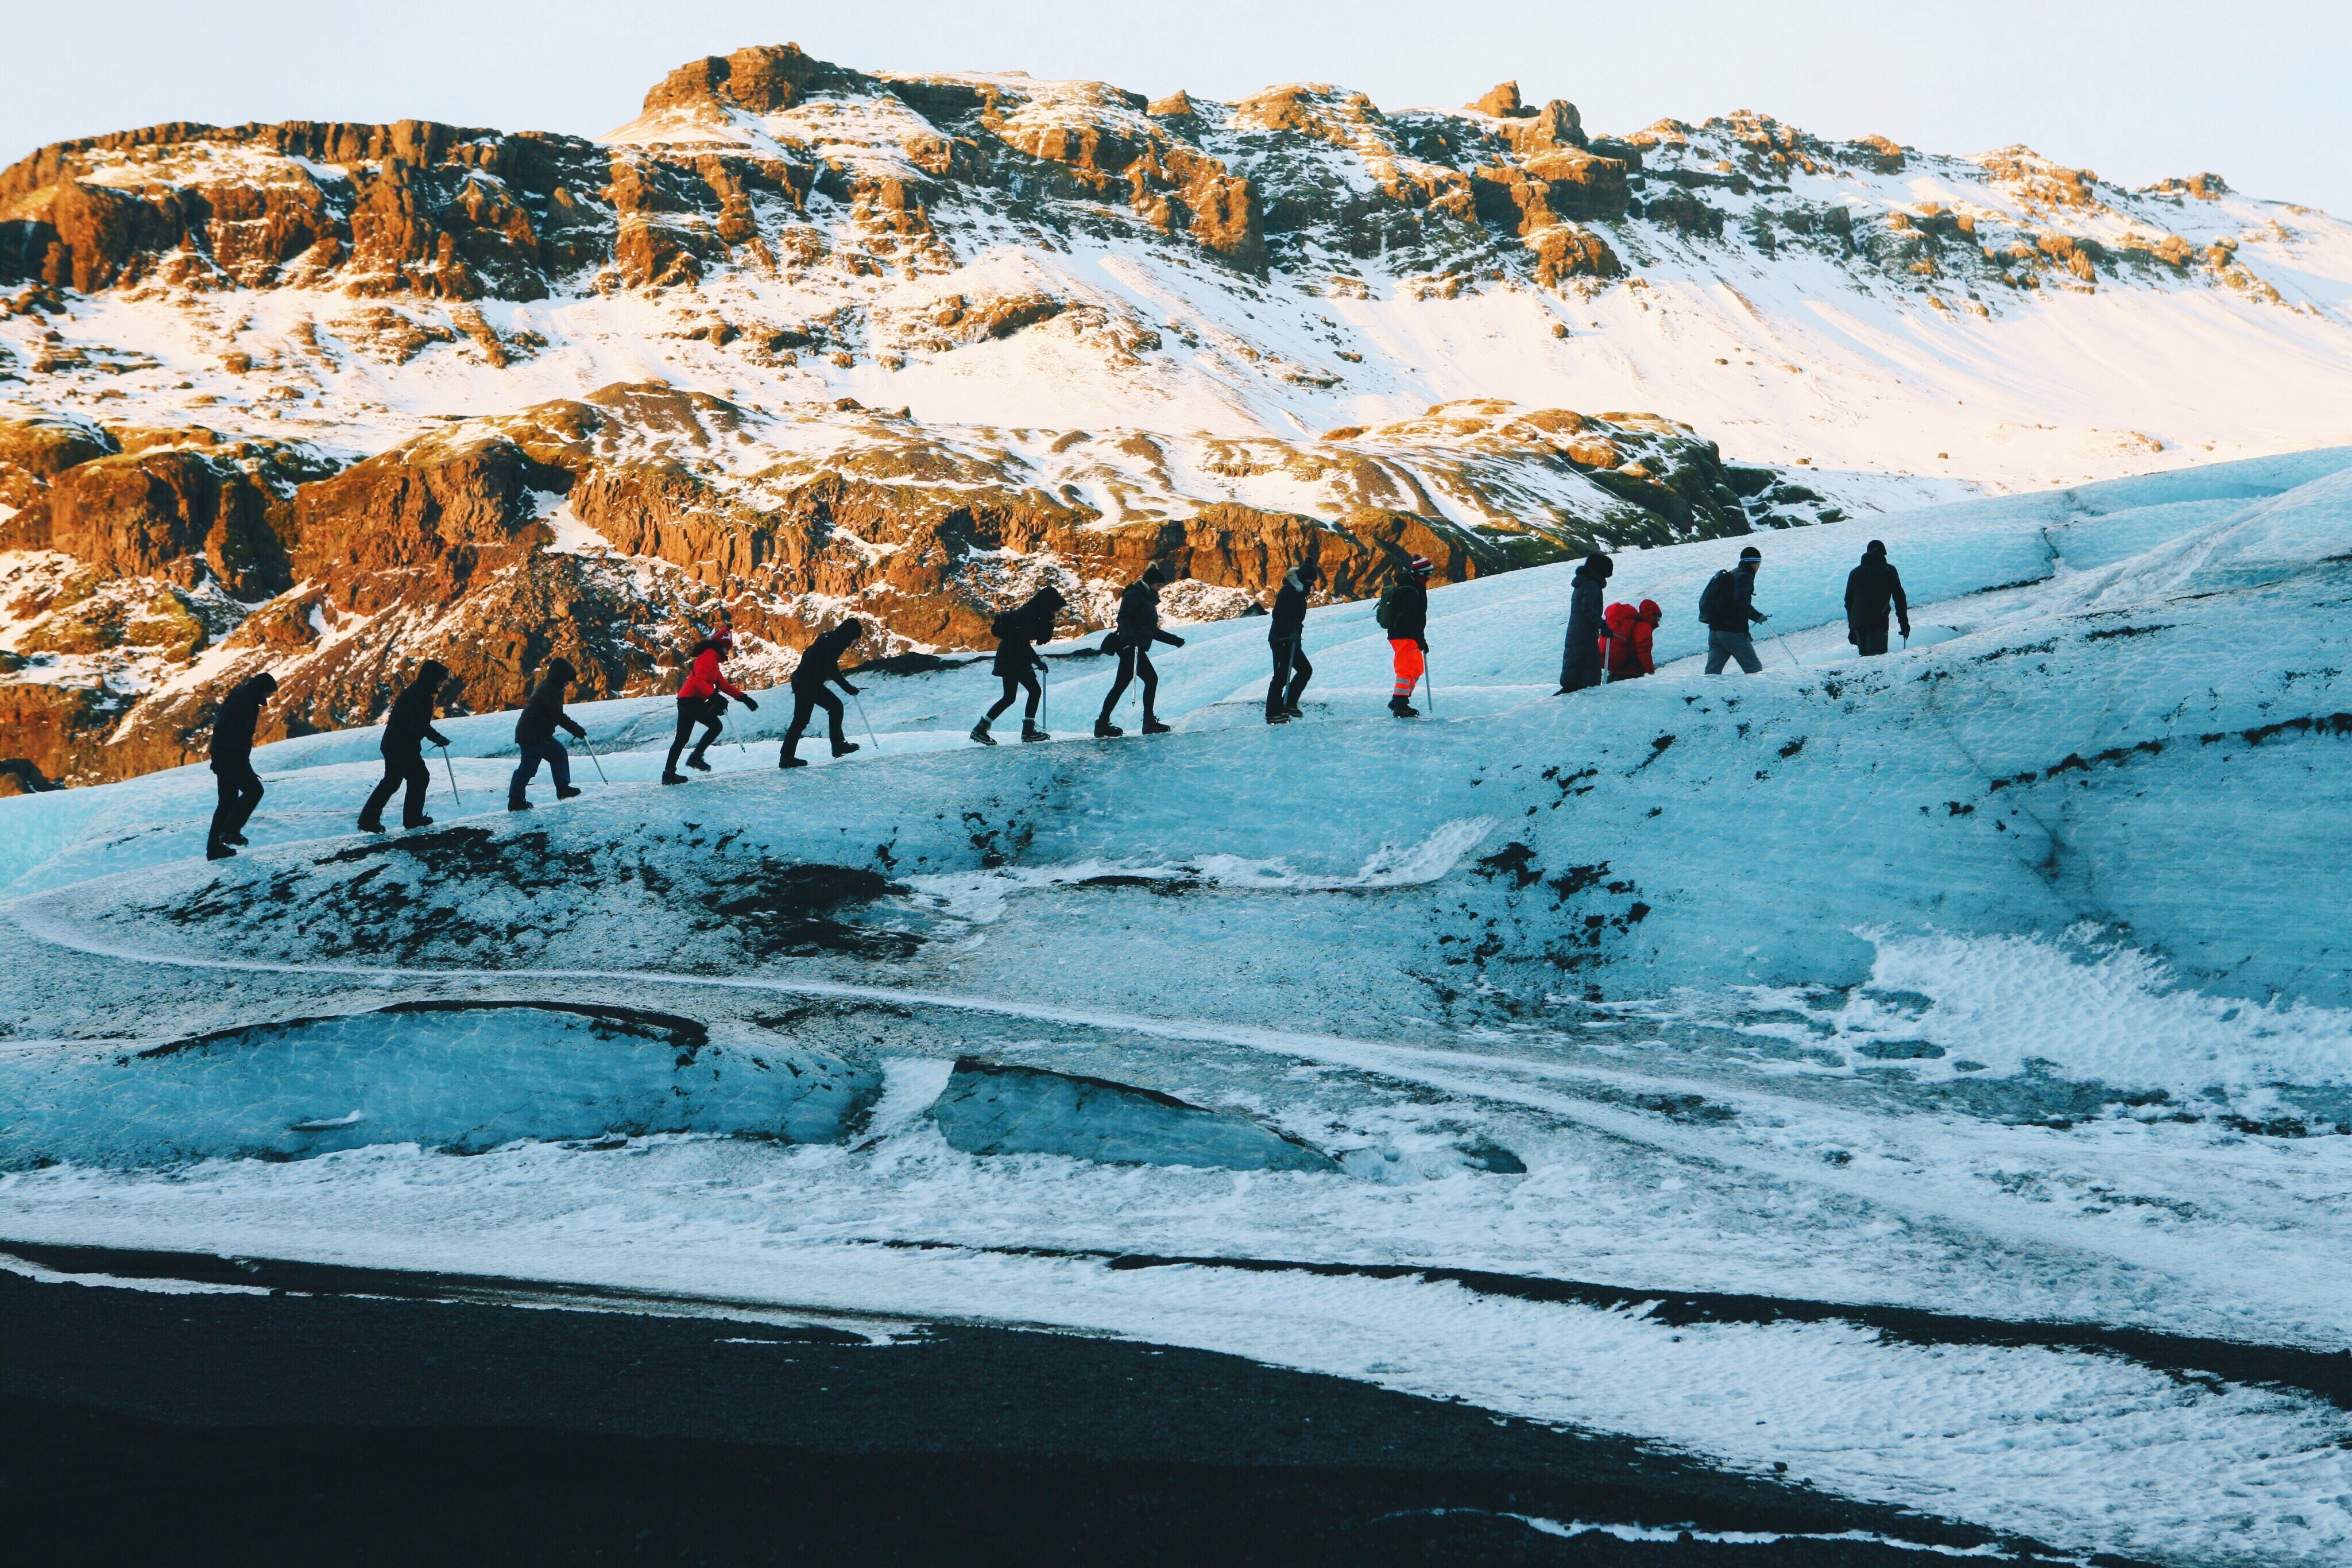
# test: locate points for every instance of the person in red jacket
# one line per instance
(1625, 639)
(700, 701)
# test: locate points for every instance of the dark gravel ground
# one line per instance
(364, 1418)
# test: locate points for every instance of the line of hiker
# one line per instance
(1604, 642)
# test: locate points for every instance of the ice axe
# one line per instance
(1427, 684)
(1783, 639)
(595, 758)
(866, 722)
(453, 776)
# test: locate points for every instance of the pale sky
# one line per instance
(2259, 92)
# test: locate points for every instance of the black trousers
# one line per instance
(240, 792)
(405, 769)
(1133, 661)
(1014, 686)
(1869, 635)
(691, 711)
(1291, 673)
(806, 700)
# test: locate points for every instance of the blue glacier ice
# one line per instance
(458, 1077)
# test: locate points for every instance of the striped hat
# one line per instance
(1420, 566)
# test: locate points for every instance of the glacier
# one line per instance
(2001, 978)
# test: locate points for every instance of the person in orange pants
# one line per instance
(1404, 613)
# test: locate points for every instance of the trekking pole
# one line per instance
(1783, 639)
(453, 776)
(595, 758)
(866, 722)
(1427, 684)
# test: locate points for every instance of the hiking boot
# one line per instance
(518, 805)
(566, 792)
(1153, 726)
(419, 822)
(368, 827)
(219, 852)
(1402, 708)
(674, 779)
(791, 762)
(1031, 732)
(1277, 716)
(980, 733)
(1104, 730)
(844, 749)
(696, 763)
(237, 839)
(1290, 710)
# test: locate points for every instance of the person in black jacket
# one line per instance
(1018, 632)
(1870, 588)
(409, 726)
(1138, 629)
(1291, 670)
(1580, 657)
(542, 714)
(232, 758)
(1729, 607)
(1406, 620)
(820, 665)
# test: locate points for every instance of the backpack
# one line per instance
(1711, 603)
(1005, 625)
(1380, 611)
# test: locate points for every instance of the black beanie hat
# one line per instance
(1155, 574)
(1752, 553)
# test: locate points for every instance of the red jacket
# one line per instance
(706, 679)
(1625, 639)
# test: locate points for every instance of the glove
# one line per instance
(1175, 641)
(750, 704)
(850, 689)
(1421, 643)
(1906, 628)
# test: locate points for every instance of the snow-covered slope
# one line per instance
(2000, 980)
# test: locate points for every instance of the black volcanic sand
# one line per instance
(402, 1425)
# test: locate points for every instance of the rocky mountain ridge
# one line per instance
(805, 340)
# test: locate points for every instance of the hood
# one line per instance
(1651, 612)
(561, 673)
(262, 684)
(432, 674)
(1596, 568)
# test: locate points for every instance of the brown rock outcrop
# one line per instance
(175, 514)
(1556, 124)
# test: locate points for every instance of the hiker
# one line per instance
(1870, 588)
(232, 758)
(1018, 632)
(1291, 670)
(1579, 656)
(1625, 639)
(821, 663)
(406, 730)
(1404, 614)
(701, 700)
(1729, 607)
(535, 733)
(1131, 640)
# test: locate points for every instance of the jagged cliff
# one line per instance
(805, 339)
